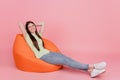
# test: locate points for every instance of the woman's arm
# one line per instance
(22, 28)
(41, 24)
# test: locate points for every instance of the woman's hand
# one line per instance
(41, 24)
(20, 24)
(22, 28)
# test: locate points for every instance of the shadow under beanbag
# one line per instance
(25, 59)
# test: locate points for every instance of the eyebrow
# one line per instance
(31, 25)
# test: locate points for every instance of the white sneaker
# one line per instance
(96, 72)
(100, 65)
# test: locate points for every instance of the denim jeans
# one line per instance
(60, 59)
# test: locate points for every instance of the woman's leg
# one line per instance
(60, 59)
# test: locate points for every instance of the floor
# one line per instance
(8, 71)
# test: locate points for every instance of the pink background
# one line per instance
(77, 27)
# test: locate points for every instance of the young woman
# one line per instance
(35, 42)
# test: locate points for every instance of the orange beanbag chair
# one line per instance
(25, 60)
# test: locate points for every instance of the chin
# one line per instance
(32, 32)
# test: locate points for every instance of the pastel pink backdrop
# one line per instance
(77, 27)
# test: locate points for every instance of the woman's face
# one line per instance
(31, 27)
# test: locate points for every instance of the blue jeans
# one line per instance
(60, 59)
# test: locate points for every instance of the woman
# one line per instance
(35, 42)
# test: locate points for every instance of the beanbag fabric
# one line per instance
(25, 60)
